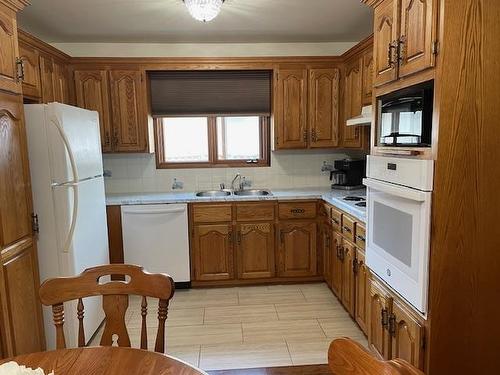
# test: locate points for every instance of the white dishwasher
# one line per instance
(155, 236)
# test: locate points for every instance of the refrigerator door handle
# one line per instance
(74, 214)
(74, 170)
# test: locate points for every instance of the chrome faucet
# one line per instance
(239, 185)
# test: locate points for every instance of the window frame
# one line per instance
(213, 160)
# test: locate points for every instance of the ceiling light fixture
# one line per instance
(204, 10)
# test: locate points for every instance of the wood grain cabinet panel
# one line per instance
(336, 266)
(297, 210)
(379, 307)
(297, 249)
(211, 213)
(213, 252)
(92, 92)
(8, 51)
(385, 42)
(323, 107)
(362, 292)
(348, 227)
(348, 281)
(417, 29)
(128, 111)
(255, 211)
(291, 109)
(60, 82)
(325, 244)
(31, 68)
(352, 135)
(367, 88)
(255, 250)
(46, 78)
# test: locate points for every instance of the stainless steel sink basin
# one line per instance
(252, 193)
(213, 193)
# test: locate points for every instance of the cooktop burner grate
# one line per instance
(361, 204)
(354, 198)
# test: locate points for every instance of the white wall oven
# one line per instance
(399, 216)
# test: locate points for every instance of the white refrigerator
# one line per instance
(68, 196)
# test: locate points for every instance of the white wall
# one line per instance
(203, 50)
(132, 173)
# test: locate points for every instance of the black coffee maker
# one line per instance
(348, 174)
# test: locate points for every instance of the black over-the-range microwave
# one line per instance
(405, 117)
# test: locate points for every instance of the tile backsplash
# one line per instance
(137, 173)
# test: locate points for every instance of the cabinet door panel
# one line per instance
(378, 335)
(92, 92)
(336, 264)
(351, 135)
(60, 82)
(362, 293)
(46, 78)
(416, 35)
(15, 189)
(31, 68)
(291, 109)
(128, 113)
(298, 249)
(367, 78)
(385, 34)
(213, 252)
(8, 51)
(407, 340)
(348, 282)
(324, 107)
(326, 250)
(255, 250)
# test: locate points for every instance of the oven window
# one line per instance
(392, 231)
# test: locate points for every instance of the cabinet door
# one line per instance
(336, 264)
(324, 107)
(9, 51)
(92, 92)
(417, 30)
(291, 109)
(298, 249)
(379, 307)
(255, 250)
(407, 335)
(385, 35)
(351, 135)
(46, 78)
(326, 249)
(367, 89)
(362, 292)
(60, 82)
(31, 69)
(348, 282)
(128, 111)
(213, 252)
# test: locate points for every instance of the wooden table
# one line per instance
(106, 360)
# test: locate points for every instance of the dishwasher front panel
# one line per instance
(156, 236)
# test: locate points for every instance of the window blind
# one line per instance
(221, 92)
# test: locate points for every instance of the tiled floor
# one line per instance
(244, 327)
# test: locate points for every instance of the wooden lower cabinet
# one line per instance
(255, 250)
(380, 304)
(325, 246)
(362, 292)
(213, 252)
(336, 266)
(297, 249)
(348, 283)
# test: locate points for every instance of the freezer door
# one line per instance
(75, 145)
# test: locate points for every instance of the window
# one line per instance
(212, 141)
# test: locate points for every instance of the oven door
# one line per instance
(398, 238)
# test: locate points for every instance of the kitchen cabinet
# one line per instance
(367, 82)
(352, 135)
(255, 250)
(9, 80)
(60, 82)
(297, 249)
(46, 78)
(361, 275)
(213, 252)
(92, 92)
(404, 38)
(31, 70)
(348, 256)
(336, 261)
(307, 108)
(380, 304)
(326, 250)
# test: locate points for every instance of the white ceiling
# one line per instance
(168, 21)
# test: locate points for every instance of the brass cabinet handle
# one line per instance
(297, 211)
(401, 50)
(107, 138)
(391, 53)
(392, 325)
(336, 221)
(361, 238)
(305, 136)
(347, 229)
(314, 136)
(230, 237)
(384, 318)
(355, 266)
(239, 237)
(282, 237)
(19, 69)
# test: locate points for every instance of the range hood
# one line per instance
(364, 119)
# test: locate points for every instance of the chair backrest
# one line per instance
(115, 295)
(347, 357)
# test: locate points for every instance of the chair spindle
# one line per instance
(81, 331)
(58, 316)
(144, 333)
(162, 316)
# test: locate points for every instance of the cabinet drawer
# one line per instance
(211, 213)
(360, 237)
(324, 210)
(348, 225)
(336, 217)
(256, 211)
(299, 210)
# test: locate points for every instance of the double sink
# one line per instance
(241, 193)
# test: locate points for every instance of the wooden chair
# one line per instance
(347, 357)
(54, 292)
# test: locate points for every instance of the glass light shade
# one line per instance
(204, 10)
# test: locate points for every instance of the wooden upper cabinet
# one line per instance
(297, 249)
(367, 84)
(362, 292)
(15, 187)
(407, 333)
(352, 135)
(46, 78)
(291, 109)
(213, 252)
(31, 68)
(129, 119)
(348, 282)
(379, 307)
(255, 250)
(9, 51)
(416, 35)
(336, 264)
(60, 82)
(385, 42)
(323, 107)
(92, 92)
